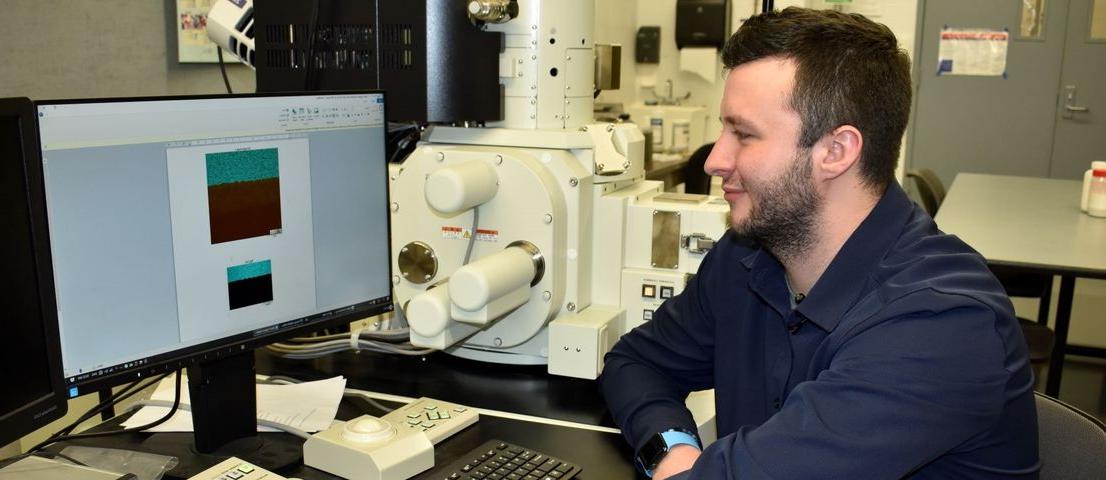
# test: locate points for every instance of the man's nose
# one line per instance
(718, 162)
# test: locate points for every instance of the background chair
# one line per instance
(1017, 283)
(696, 179)
(1072, 443)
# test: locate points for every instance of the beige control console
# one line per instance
(396, 446)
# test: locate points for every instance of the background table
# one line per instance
(1033, 224)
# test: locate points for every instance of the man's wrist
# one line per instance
(655, 449)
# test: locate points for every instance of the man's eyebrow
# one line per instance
(736, 121)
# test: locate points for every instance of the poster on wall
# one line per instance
(868, 8)
(193, 46)
(973, 51)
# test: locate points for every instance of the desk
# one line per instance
(521, 390)
(671, 172)
(1033, 224)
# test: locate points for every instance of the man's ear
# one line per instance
(840, 151)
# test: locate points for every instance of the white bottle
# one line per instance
(681, 136)
(1096, 194)
(656, 124)
(1087, 176)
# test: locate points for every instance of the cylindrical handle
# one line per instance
(475, 285)
(428, 312)
(460, 187)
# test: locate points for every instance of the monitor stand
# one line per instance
(223, 396)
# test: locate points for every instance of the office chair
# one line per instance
(696, 179)
(1017, 283)
(1072, 443)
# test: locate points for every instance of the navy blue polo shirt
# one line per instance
(904, 360)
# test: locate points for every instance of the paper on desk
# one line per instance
(308, 406)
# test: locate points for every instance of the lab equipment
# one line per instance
(397, 446)
(187, 231)
(34, 395)
(235, 468)
(533, 240)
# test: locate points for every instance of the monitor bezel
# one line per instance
(251, 340)
(51, 406)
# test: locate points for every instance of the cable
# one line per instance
(223, 68)
(312, 31)
(172, 411)
(119, 396)
(472, 238)
(388, 341)
(260, 421)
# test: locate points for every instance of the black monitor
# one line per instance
(187, 231)
(29, 362)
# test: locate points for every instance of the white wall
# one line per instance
(619, 19)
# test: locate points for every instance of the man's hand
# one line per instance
(680, 458)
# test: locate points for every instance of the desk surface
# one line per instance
(1025, 222)
(527, 390)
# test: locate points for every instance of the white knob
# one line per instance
(474, 285)
(428, 312)
(460, 187)
(367, 429)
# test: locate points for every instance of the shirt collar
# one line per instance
(846, 277)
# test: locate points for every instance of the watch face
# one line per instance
(652, 452)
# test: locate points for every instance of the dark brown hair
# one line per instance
(849, 71)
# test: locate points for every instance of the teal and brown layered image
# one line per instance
(243, 193)
(250, 284)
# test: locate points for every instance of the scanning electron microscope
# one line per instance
(536, 239)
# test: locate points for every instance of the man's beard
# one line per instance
(785, 214)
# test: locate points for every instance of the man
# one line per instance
(844, 335)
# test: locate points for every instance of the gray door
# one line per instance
(1081, 120)
(1014, 124)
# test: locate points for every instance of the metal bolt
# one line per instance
(626, 166)
(566, 348)
(395, 207)
(571, 307)
(548, 218)
(426, 277)
(544, 295)
(533, 27)
(498, 342)
(584, 128)
(577, 349)
(441, 156)
(533, 101)
(520, 61)
(573, 181)
(395, 279)
(533, 87)
(533, 57)
(499, 159)
(610, 127)
(532, 116)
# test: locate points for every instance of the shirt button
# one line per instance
(776, 403)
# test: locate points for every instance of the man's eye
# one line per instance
(742, 135)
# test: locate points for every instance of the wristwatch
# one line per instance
(659, 445)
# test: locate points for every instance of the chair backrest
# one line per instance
(696, 179)
(930, 189)
(1072, 442)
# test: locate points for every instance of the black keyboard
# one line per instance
(499, 460)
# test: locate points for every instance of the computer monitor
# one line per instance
(29, 363)
(187, 231)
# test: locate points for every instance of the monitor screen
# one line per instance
(194, 226)
(29, 363)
